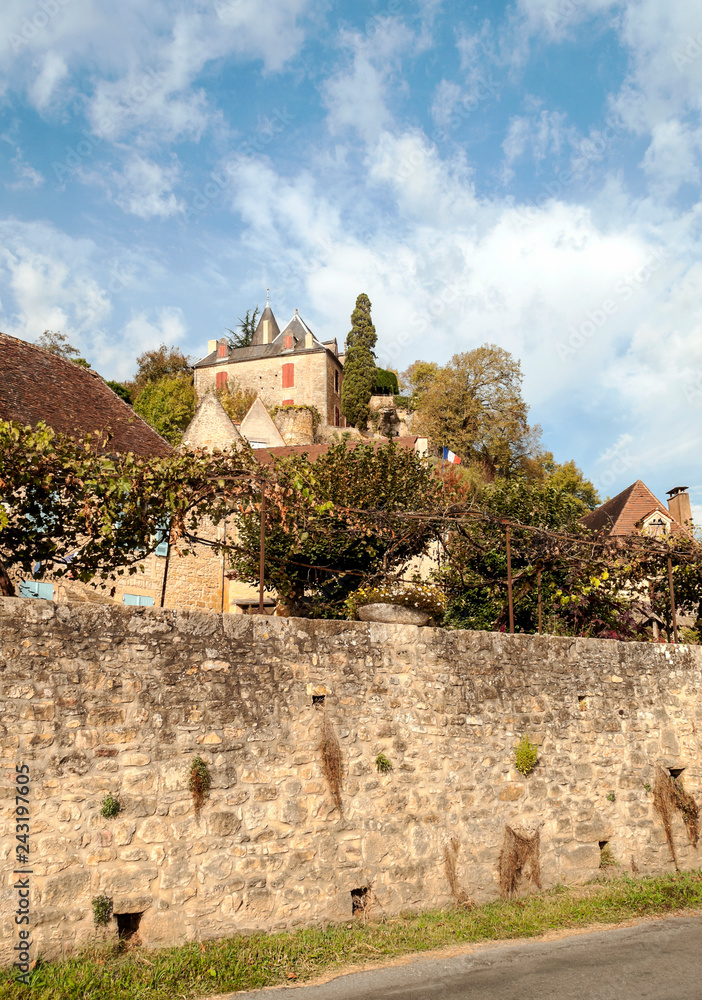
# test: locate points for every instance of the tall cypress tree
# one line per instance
(359, 366)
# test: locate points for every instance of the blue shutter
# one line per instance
(162, 547)
(138, 600)
(40, 591)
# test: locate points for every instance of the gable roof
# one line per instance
(296, 328)
(37, 385)
(211, 427)
(621, 514)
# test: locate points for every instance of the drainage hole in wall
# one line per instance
(360, 900)
(621, 711)
(318, 700)
(582, 702)
(128, 925)
(675, 772)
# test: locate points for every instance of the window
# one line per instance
(288, 343)
(138, 600)
(162, 536)
(222, 351)
(36, 589)
(336, 383)
(258, 444)
(220, 380)
(337, 417)
(288, 376)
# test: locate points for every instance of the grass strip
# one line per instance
(251, 962)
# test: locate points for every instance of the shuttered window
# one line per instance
(36, 589)
(288, 343)
(288, 402)
(138, 600)
(222, 351)
(288, 376)
(221, 380)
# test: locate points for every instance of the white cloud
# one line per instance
(142, 188)
(53, 72)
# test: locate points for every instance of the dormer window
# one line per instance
(288, 342)
(222, 350)
(656, 524)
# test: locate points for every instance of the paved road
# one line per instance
(655, 960)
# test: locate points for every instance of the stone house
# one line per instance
(291, 367)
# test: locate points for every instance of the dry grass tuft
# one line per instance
(518, 852)
(451, 852)
(331, 760)
(669, 796)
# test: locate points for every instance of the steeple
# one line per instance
(267, 329)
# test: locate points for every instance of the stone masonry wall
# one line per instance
(101, 699)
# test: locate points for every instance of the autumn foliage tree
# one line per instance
(163, 391)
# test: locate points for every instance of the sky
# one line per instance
(525, 174)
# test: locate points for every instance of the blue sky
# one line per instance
(526, 174)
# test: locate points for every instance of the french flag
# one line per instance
(451, 456)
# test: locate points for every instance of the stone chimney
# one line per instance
(211, 346)
(679, 504)
(309, 341)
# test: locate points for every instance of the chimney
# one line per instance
(211, 346)
(309, 342)
(679, 504)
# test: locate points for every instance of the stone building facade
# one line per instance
(100, 700)
(288, 367)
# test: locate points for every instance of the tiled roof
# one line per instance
(36, 385)
(296, 328)
(621, 514)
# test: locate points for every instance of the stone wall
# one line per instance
(104, 699)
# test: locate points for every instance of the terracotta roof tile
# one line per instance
(620, 515)
(36, 385)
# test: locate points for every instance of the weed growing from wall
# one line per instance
(519, 852)
(607, 858)
(451, 852)
(331, 760)
(383, 764)
(199, 783)
(110, 807)
(669, 797)
(526, 754)
(102, 910)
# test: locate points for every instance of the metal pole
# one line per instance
(539, 587)
(672, 598)
(263, 552)
(509, 583)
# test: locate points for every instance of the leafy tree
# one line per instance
(359, 365)
(161, 362)
(168, 405)
(236, 401)
(57, 343)
(565, 475)
(320, 543)
(121, 390)
(474, 406)
(418, 377)
(244, 333)
(78, 511)
(385, 382)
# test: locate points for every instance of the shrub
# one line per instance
(102, 910)
(526, 755)
(110, 807)
(383, 764)
(200, 782)
(422, 596)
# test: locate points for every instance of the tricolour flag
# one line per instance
(451, 456)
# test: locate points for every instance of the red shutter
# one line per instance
(288, 376)
(288, 342)
(221, 380)
(288, 402)
(222, 351)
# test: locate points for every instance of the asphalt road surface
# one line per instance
(654, 960)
